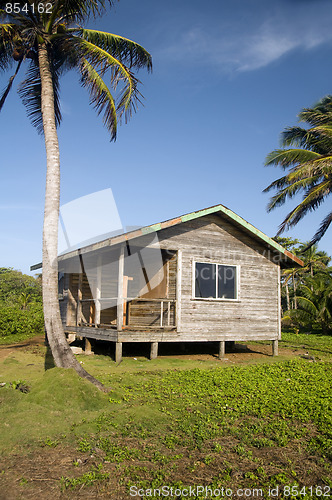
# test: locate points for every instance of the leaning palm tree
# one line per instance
(309, 164)
(49, 39)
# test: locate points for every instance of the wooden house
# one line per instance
(205, 276)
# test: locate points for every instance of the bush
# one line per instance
(18, 289)
(28, 322)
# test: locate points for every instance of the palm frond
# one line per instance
(315, 139)
(9, 86)
(324, 129)
(7, 31)
(312, 199)
(123, 49)
(30, 93)
(306, 304)
(298, 137)
(101, 96)
(288, 157)
(325, 224)
(128, 95)
(311, 170)
(320, 113)
(286, 190)
(75, 11)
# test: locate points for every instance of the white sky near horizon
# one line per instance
(228, 77)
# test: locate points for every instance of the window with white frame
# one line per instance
(215, 281)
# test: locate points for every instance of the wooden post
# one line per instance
(124, 297)
(168, 313)
(87, 346)
(275, 348)
(222, 349)
(119, 314)
(79, 299)
(161, 313)
(118, 352)
(279, 304)
(178, 291)
(154, 350)
(98, 292)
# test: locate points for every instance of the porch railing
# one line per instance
(160, 313)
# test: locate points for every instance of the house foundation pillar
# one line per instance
(154, 350)
(118, 352)
(87, 346)
(275, 350)
(222, 349)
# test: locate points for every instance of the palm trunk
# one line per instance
(294, 290)
(287, 296)
(62, 354)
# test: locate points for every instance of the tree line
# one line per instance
(306, 292)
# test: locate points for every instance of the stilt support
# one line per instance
(87, 347)
(118, 352)
(275, 348)
(71, 338)
(221, 349)
(154, 350)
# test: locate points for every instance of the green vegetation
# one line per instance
(309, 165)
(249, 426)
(18, 289)
(306, 298)
(21, 311)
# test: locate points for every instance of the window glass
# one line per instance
(226, 282)
(205, 280)
(215, 281)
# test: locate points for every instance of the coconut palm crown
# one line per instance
(104, 60)
(309, 165)
(49, 38)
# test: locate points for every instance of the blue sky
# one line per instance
(227, 78)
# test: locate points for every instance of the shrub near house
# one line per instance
(21, 314)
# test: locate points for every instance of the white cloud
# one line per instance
(235, 45)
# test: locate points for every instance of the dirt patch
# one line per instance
(8, 349)
(42, 474)
(195, 351)
(199, 351)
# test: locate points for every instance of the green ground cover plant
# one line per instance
(242, 426)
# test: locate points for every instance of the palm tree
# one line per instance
(314, 259)
(309, 164)
(314, 303)
(288, 275)
(48, 36)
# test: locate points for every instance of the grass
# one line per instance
(16, 339)
(266, 425)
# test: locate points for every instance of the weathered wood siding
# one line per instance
(255, 315)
